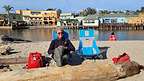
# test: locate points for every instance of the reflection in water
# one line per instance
(46, 34)
(5, 31)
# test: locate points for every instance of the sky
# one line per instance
(73, 5)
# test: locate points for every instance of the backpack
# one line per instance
(121, 59)
(34, 60)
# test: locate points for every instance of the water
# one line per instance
(45, 34)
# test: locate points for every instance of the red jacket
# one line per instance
(112, 38)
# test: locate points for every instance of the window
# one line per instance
(45, 18)
(89, 21)
(35, 13)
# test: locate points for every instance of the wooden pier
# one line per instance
(110, 27)
(100, 27)
(121, 27)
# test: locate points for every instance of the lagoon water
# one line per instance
(45, 34)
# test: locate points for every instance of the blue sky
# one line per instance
(73, 5)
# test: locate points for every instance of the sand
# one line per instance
(135, 49)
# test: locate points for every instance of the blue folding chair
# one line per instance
(87, 44)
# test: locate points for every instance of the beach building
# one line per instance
(14, 18)
(90, 21)
(39, 17)
(80, 18)
(17, 20)
(137, 19)
(2, 21)
(66, 16)
(68, 19)
(113, 18)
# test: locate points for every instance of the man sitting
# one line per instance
(60, 48)
(112, 37)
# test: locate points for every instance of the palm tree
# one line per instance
(8, 8)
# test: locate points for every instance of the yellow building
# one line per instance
(39, 17)
(137, 20)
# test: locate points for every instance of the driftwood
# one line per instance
(128, 69)
(91, 71)
(4, 49)
(19, 60)
(5, 63)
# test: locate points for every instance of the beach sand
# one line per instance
(135, 49)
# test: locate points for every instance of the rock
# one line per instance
(19, 60)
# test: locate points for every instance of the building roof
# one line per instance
(91, 17)
(117, 15)
(67, 14)
(96, 16)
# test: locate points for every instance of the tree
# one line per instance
(59, 11)
(50, 9)
(8, 8)
(104, 12)
(27, 9)
(91, 11)
(142, 9)
(88, 11)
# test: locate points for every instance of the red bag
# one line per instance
(121, 59)
(34, 60)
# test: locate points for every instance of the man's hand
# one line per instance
(65, 47)
(60, 46)
(50, 55)
(71, 52)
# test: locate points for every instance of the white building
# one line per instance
(68, 19)
(66, 16)
(80, 18)
(90, 21)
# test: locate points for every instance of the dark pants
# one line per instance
(60, 56)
